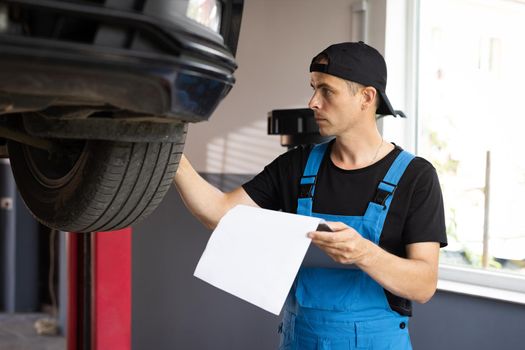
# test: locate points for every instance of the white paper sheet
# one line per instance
(256, 253)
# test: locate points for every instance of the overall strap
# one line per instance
(388, 185)
(308, 180)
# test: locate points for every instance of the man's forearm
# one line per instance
(202, 199)
(205, 202)
(414, 278)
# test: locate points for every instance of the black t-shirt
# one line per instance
(416, 212)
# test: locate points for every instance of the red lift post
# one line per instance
(99, 279)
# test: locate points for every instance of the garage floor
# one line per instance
(18, 333)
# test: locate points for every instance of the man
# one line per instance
(383, 204)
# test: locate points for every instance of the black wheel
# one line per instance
(94, 185)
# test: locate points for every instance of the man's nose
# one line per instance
(314, 102)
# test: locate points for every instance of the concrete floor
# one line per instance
(17, 332)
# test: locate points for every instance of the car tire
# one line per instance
(94, 185)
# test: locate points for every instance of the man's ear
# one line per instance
(369, 94)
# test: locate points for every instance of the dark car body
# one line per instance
(74, 73)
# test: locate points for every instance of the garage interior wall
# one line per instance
(277, 42)
(174, 310)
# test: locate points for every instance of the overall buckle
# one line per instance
(306, 189)
(384, 190)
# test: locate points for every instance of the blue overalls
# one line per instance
(330, 308)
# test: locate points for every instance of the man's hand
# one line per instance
(345, 245)
(413, 277)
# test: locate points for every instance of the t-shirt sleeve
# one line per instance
(276, 186)
(425, 217)
(263, 188)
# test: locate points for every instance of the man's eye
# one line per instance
(326, 92)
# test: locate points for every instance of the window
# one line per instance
(471, 125)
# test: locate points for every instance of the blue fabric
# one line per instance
(308, 180)
(309, 176)
(344, 308)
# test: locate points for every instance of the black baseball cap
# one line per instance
(360, 63)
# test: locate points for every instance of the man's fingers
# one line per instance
(338, 246)
(326, 237)
(336, 226)
(330, 237)
(335, 254)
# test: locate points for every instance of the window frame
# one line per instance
(402, 55)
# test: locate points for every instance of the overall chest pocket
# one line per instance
(328, 289)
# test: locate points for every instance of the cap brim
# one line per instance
(385, 108)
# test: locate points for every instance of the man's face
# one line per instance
(335, 107)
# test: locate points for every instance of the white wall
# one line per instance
(277, 41)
